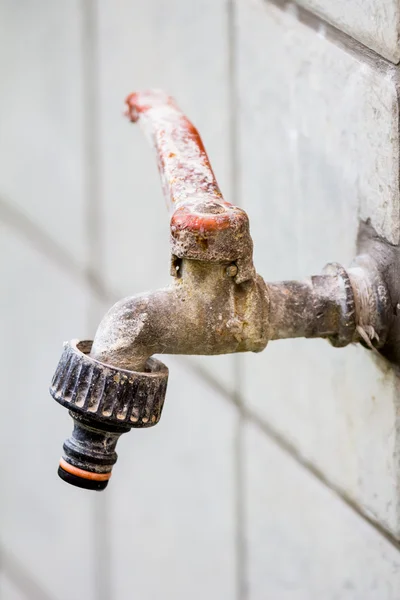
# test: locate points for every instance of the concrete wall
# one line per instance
(270, 477)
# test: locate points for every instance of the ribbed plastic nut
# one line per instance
(106, 393)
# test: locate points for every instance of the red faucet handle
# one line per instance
(204, 226)
(186, 172)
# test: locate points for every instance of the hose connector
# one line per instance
(104, 402)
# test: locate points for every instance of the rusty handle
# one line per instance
(204, 226)
(189, 184)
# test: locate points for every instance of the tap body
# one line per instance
(216, 304)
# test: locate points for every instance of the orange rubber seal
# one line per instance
(84, 474)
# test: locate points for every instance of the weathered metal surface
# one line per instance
(214, 279)
(204, 226)
(216, 304)
(321, 306)
(203, 311)
(375, 276)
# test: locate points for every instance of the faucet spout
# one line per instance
(232, 317)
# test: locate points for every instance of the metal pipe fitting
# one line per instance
(216, 304)
(232, 317)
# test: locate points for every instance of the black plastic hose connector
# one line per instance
(104, 402)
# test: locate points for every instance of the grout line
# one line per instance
(210, 380)
(90, 66)
(21, 578)
(233, 103)
(335, 35)
(237, 363)
(45, 245)
(91, 129)
(239, 450)
(250, 416)
(301, 460)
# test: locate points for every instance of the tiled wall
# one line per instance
(271, 476)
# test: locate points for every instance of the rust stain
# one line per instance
(203, 225)
(184, 166)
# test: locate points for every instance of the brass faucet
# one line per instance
(216, 304)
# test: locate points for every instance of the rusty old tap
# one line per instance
(215, 304)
